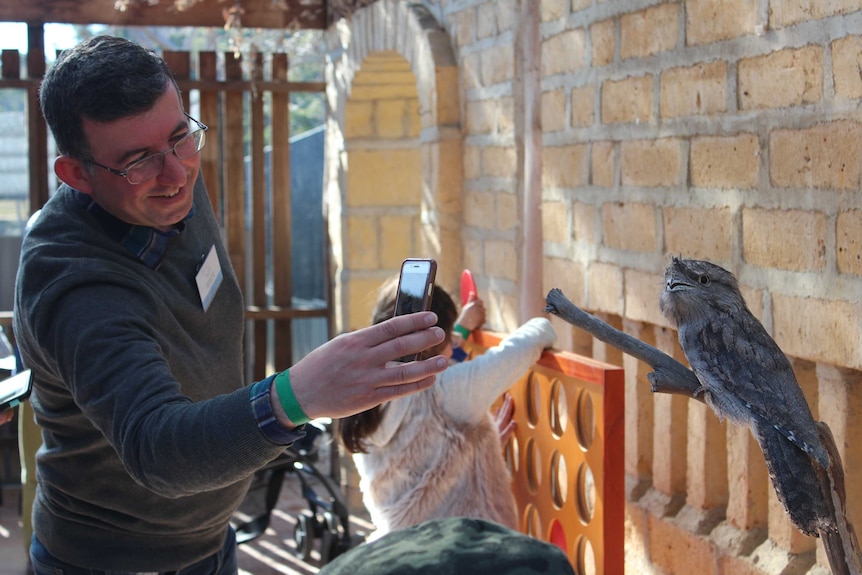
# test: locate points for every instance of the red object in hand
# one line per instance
(468, 287)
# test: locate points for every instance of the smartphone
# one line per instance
(15, 389)
(415, 288)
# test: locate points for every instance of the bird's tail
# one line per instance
(795, 481)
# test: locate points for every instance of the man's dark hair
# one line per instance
(102, 79)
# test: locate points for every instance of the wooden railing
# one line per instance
(566, 455)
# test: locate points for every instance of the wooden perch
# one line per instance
(670, 376)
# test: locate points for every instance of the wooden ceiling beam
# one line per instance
(257, 13)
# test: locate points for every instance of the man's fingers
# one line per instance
(400, 325)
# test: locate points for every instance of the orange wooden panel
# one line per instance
(566, 455)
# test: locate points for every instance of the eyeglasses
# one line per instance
(151, 166)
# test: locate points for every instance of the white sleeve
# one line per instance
(467, 390)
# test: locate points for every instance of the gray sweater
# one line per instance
(149, 436)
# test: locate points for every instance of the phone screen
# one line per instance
(415, 287)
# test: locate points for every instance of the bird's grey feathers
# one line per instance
(746, 378)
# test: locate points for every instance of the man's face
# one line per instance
(160, 202)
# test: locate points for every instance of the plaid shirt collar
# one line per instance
(148, 244)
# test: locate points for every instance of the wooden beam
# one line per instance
(257, 13)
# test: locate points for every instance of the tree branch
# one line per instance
(668, 376)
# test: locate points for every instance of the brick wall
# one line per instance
(725, 130)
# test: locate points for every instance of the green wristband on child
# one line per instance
(288, 399)
(465, 333)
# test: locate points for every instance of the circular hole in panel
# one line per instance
(512, 453)
(534, 400)
(531, 520)
(533, 461)
(586, 558)
(559, 409)
(559, 479)
(586, 490)
(586, 420)
(558, 535)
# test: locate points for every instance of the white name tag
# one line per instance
(209, 278)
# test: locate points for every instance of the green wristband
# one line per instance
(465, 333)
(288, 399)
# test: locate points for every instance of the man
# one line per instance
(130, 317)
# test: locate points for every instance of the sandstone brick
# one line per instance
(498, 64)
(748, 487)
(787, 12)
(602, 164)
(651, 163)
(565, 275)
(602, 39)
(585, 222)
(563, 53)
(640, 409)
(358, 119)
(384, 91)
(697, 90)
(629, 226)
(498, 162)
(564, 166)
(649, 31)
(554, 110)
(465, 26)
(605, 288)
(841, 404)
(791, 77)
(825, 156)
(361, 295)
(473, 257)
(472, 162)
(706, 458)
(507, 211)
(785, 239)
(471, 71)
(392, 251)
(447, 96)
(505, 116)
(846, 63)
(507, 13)
(642, 294)
(849, 242)
(555, 222)
(392, 120)
(486, 21)
(553, 9)
(628, 100)
(479, 209)
(583, 103)
(481, 115)
(818, 329)
(677, 550)
(384, 177)
(501, 260)
(725, 162)
(699, 233)
(713, 20)
(362, 243)
(581, 4)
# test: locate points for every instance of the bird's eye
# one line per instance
(703, 280)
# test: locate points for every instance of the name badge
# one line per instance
(209, 278)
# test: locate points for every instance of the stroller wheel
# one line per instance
(303, 536)
(330, 538)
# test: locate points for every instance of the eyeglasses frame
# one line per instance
(125, 173)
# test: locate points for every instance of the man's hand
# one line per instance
(357, 371)
(472, 316)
